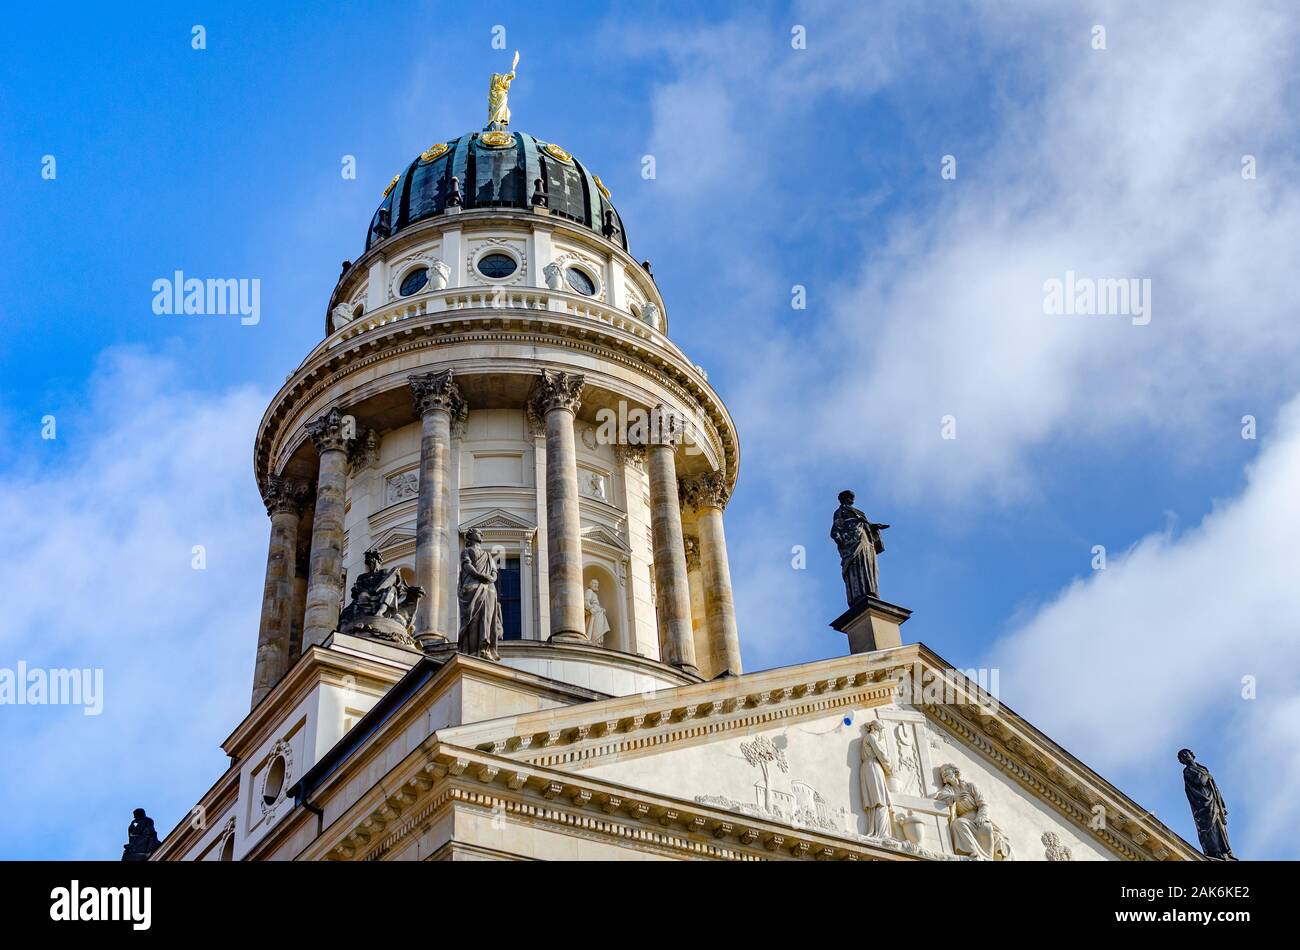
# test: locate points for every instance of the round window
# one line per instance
(497, 265)
(580, 281)
(274, 780)
(413, 281)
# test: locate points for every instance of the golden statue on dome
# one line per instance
(498, 93)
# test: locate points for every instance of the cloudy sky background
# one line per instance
(776, 167)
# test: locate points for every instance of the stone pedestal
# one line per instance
(872, 624)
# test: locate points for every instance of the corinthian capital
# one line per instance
(558, 390)
(437, 390)
(282, 495)
(704, 491)
(334, 430)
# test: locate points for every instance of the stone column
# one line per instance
(695, 580)
(556, 400)
(325, 581)
(672, 588)
(284, 498)
(707, 494)
(438, 401)
(302, 570)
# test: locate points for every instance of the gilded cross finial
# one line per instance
(498, 93)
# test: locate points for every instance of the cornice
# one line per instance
(441, 328)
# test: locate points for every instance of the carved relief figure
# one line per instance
(597, 618)
(383, 604)
(973, 831)
(907, 777)
(141, 838)
(1208, 810)
(480, 609)
(1053, 850)
(858, 541)
(873, 777)
(650, 314)
(554, 279)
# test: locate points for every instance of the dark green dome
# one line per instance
(496, 169)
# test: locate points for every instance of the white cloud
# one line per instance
(1136, 661)
(95, 561)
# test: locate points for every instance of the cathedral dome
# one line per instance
(496, 169)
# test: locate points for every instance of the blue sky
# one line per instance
(775, 166)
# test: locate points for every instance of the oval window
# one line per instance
(413, 281)
(274, 780)
(497, 265)
(580, 281)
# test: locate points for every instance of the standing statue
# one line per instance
(383, 604)
(973, 831)
(480, 608)
(1208, 811)
(873, 777)
(141, 838)
(498, 93)
(859, 542)
(597, 618)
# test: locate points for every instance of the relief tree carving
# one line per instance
(762, 752)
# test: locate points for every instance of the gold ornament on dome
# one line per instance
(601, 185)
(556, 152)
(391, 185)
(433, 151)
(499, 94)
(496, 139)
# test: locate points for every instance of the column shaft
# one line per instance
(325, 581)
(437, 400)
(556, 401)
(284, 499)
(672, 588)
(719, 604)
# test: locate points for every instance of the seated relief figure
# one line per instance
(383, 604)
(480, 607)
(973, 832)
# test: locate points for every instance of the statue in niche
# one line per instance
(873, 777)
(480, 607)
(859, 541)
(141, 838)
(597, 618)
(1208, 811)
(973, 831)
(383, 604)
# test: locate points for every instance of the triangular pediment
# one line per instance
(598, 534)
(786, 747)
(499, 519)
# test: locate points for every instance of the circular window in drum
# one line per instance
(497, 266)
(580, 281)
(414, 281)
